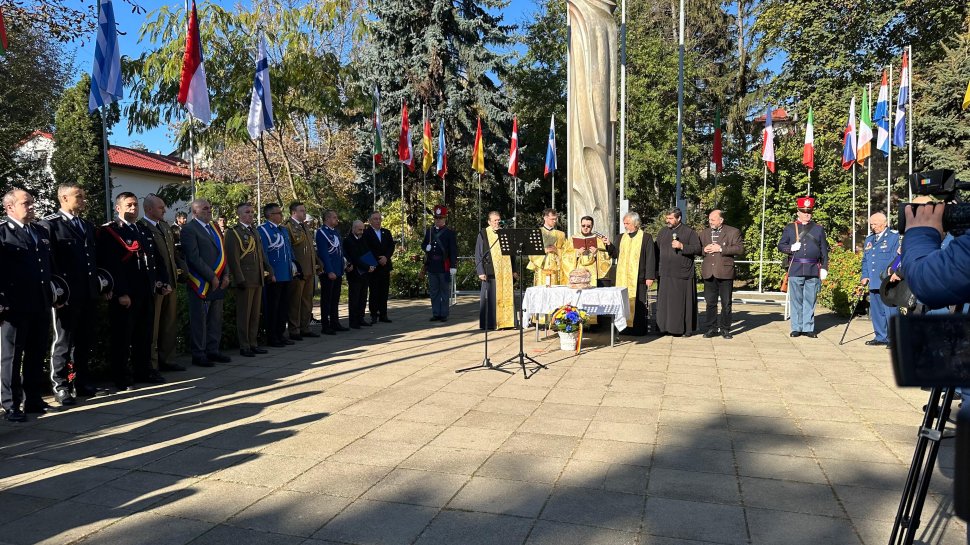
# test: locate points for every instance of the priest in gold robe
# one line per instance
(496, 309)
(636, 270)
(548, 267)
(595, 260)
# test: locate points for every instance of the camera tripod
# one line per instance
(921, 469)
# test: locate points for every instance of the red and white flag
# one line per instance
(768, 143)
(514, 150)
(808, 152)
(405, 151)
(193, 89)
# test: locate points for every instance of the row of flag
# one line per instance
(405, 150)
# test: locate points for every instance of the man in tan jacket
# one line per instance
(166, 306)
(301, 288)
(721, 243)
(247, 269)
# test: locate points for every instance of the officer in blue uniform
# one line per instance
(440, 263)
(879, 251)
(279, 254)
(807, 265)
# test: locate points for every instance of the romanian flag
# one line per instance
(514, 150)
(808, 153)
(478, 152)
(3, 35)
(718, 152)
(428, 158)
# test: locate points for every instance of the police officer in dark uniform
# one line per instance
(440, 263)
(879, 251)
(25, 279)
(73, 241)
(129, 253)
(807, 264)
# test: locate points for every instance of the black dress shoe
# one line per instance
(65, 398)
(710, 333)
(687, 334)
(170, 367)
(218, 358)
(152, 377)
(328, 331)
(794, 333)
(727, 335)
(202, 362)
(84, 390)
(811, 335)
(246, 353)
(874, 342)
(296, 338)
(15, 415)
(258, 350)
(310, 334)
(338, 327)
(434, 319)
(442, 319)
(385, 319)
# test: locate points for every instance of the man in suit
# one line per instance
(25, 278)
(440, 263)
(381, 244)
(248, 268)
(301, 286)
(205, 257)
(879, 251)
(279, 255)
(360, 268)
(721, 244)
(331, 255)
(165, 323)
(73, 240)
(129, 254)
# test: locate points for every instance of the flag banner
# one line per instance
(405, 152)
(865, 130)
(428, 158)
(478, 151)
(3, 33)
(442, 152)
(551, 149)
(193, 88)
(848, 139)
(106, 86)
(717, 153)
(902, 102)
(514, 149)
(768, 142)
(881, 117)
(261, 103)
(378, 130)
(808, 153)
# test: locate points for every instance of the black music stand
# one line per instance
(519, 243)
(486, 363)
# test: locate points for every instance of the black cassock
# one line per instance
(647, 270)
(677, 295)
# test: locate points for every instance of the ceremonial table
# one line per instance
(597, 301)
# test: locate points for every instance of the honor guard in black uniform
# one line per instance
(25, 279)
(73, 240)
(807, 263)
(130, 255)
(440, 263)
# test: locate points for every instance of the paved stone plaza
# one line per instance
(370, 437)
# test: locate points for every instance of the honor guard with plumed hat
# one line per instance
(440, 247)
(803, 241)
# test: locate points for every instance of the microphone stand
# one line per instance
(486, 363)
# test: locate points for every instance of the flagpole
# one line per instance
(107, 167)
(259, 192)
(853, 206)
(909, 113)
(403, 216)
(889, 156)
(622, 110)
(192, 153)
(869, 173)
(761, 254)
(680, 109)
(373, 177)
(809, 192)
(515, 202)
(480, 200)
(553, 189)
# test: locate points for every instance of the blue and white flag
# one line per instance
(261, 104)
(899, 130)
(106, 84)
(881, 117)
(551, 149)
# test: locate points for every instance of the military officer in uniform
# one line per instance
(879, 251)
(73, 240)
(165, 323)
(247, 268)
(25, 279)
(440, 263)
(279, 255)
(130, 255)
(807, 263)
(301, 286)
(330, 252)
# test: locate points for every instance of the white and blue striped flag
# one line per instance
(261, 105)
(106, 84)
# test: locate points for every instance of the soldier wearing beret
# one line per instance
(807, 263)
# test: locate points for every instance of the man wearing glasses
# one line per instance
(807, 265)
(279, 255)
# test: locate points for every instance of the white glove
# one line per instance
(822, 273)
(453, 272)
(795, 247)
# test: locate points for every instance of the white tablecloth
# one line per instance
(599, 301)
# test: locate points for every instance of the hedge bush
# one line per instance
(844, 275)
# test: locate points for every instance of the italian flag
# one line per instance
(865, 130)
(478, 152)
(808, 154)
(3, 37)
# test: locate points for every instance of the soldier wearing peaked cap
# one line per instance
(807, 263)
(440, 262)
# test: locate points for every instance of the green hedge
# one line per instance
(844, 275)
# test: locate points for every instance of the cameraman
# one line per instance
(938, 277)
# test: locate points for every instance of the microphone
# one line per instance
(501, 223)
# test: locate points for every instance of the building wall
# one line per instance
(142, 183)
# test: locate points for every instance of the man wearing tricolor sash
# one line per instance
(204, 248)
(548, 267)
(495, 271)
(636, 270)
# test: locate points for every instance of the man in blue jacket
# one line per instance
(440, 263)
(807, 264)
(879, 251)
(331, 253)
(279, 254)
(938, 277)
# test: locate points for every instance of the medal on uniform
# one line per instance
(427, 248)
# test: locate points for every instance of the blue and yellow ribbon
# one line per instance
(200, 285)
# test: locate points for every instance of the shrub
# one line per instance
(844, 275)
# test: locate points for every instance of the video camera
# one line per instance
(943, 186)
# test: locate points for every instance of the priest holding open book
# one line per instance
(588, 251)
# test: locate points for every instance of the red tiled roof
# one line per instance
(120, 156)
(779, 114)
(41, 134)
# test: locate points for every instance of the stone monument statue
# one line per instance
(592, 107)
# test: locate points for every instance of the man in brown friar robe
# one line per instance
(636, 270)
(677, 246)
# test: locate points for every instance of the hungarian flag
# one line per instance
(478, 152)
(966, 97)
(514, 150)
(808, 154)
(768, 142)
(404, 150)
(193, 89)
(3, 34)
(865, 130)
(442, 152)
(428, 158)
(378, 131)
(848, 139)
(718, 143)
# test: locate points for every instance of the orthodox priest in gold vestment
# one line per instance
(496, 309)
(597, 261)
(636, 270)
(548, 267)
